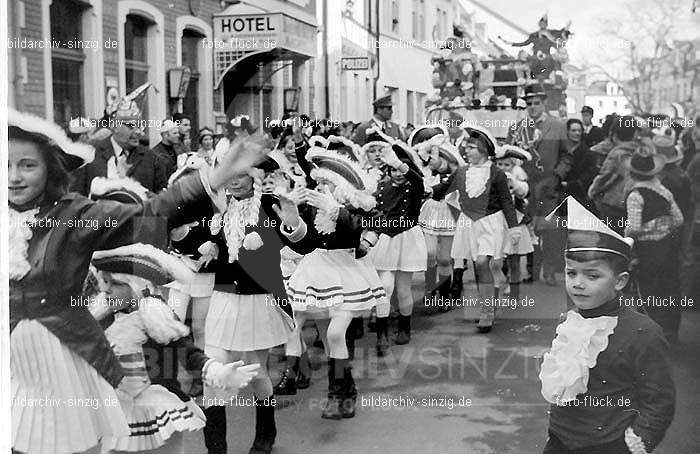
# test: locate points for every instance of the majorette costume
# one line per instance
(437, 218)
(519, 190)
(57, 349)
(248, 310)
(607, 374)
(331, 281)
(155, 406)
(487, 209)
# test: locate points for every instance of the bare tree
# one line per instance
(645, 29)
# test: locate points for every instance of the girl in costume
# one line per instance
(508, 158)
(332, 284)
(437, 219)
(607, 374)
(485, 200)
(145, 327)
(400, 246)
(248, 314)
(58, 350)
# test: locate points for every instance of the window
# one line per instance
(191, 46)
(136, 55)
(410, 107)
(394, 16)
(67, 60)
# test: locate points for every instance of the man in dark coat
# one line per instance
(383, 109)
(591, 134)
(584, 168)
(169, 146)
(121, 156)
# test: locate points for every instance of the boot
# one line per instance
(335, 388)
(382, 336)
(304, 372)
(265, 430)
(430, 275)
(349, 392)
(357, 328)
(515, 292)
(445, 292)
(456, 288)
(215, 430)
(372, 323)
(404, 335)
(487, 316)
(287, 385)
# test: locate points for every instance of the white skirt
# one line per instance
(461, 245)
(488, 236)
(201, 286)
(245, 323)
(436, 218)
(334, 279)
(154, 415)
(404, 252)
(523, 247)
(60, 403)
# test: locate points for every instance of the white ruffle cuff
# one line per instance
(575, 349)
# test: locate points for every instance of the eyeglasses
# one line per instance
(533, 103)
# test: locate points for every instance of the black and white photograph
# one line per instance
(350, 226)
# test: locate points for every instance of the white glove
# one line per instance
(324, 201)
(390, 158)
(209, 251)
(252, 241)
(232, 376)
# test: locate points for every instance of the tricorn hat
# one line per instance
(346, 174)
(144, 261)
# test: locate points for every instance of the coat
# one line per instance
(146, 167)
(60, 255)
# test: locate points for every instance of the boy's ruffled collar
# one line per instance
(575, 349)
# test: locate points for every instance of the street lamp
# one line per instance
(291, 99)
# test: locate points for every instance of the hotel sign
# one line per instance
(263, 32)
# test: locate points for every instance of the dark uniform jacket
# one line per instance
(146, 167)
(632, 376)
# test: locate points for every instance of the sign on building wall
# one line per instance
(354, 63)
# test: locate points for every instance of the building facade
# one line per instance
(606, 98)
(71, 58)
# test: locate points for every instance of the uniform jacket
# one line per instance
(60, 255)
(495, 198)
(146, 167)
(635, 368)
(399, 206)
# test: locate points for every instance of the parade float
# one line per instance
(477, 88)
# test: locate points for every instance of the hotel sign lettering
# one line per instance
(263, 32)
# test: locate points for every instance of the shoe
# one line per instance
(303, 381)
(332, 408)
(488, 315)
(335, 390)
(382, 336)
(197, 388)
(372, 323)
(404, 335)
(265, 429)
(287, 385)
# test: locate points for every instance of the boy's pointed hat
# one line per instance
(588, 233)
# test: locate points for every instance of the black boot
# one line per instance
(287, 385)
(445, 292)
(304, 371)
(430, 275)
(335, 388)
(404, 335)
(265, 429)
(382, 336)
(456, 287)
(349, 392)
(372, 322)
(215, 430)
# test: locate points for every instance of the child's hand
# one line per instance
(232, 376)
(514, 235)
(389, 157)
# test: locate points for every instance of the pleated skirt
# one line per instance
(334, 279)
(60, 404)
(436, 218)
(403, 252)
(461, 244)
(245, 323)
(154, 415)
